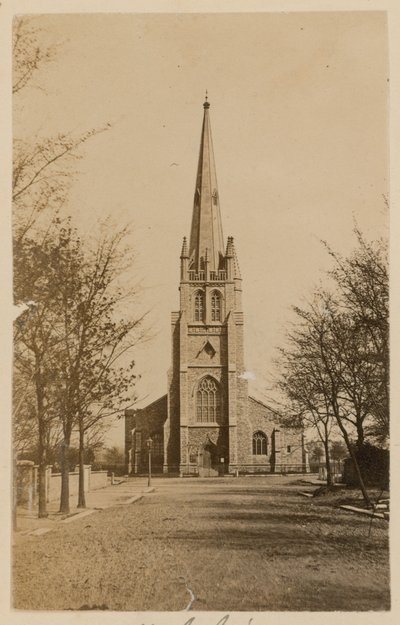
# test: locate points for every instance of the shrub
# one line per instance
(374, 466)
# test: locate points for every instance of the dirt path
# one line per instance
(232, 544)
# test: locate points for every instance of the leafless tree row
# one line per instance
(334, 370)
(75, 334)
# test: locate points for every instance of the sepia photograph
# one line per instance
(200, 283)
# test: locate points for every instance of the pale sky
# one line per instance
(299, 122)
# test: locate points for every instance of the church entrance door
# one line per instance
(208, 462)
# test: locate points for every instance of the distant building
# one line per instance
(207, 424)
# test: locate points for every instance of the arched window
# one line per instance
(208, 401)
(199, 306)
(215, 306)
(259, 444)
(157, 446)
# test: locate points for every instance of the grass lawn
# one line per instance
(236, 544)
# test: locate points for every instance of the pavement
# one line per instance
(120, 493)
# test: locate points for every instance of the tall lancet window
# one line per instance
(215, 306)
(259, 444)
(208, 401)
(199, 306)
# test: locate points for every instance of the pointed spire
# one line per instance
(206, 231)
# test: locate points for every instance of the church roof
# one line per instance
(129, 412)
(263, 404)
(206, 239)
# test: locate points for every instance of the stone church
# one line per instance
(207, 424)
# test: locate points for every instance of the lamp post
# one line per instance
(149, 446)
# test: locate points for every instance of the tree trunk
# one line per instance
(42, 491)
(42, 512)
(329, 478)
(338, 418)
(81, 493)
(360, 435)
(64, 498)
(355, 463)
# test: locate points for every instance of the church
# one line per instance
(207, 424)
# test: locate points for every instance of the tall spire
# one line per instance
(206, 231)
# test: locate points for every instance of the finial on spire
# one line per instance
(206, 104)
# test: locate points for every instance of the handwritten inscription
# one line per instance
(223, 621)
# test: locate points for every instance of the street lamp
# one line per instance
(149, 447)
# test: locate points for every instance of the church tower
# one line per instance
(207, 424)
(207, 394)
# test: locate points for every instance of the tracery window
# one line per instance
(157, 446)
(259, 444)
(215, 307)
(199, 306)
(208, 401)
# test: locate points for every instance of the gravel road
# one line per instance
(216, 544)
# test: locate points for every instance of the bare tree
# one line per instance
(24, 422)
(74, 346)
(336, 365)
(95, 366)
(29, 54)
(302, 382)
(319, 319)
(42, 174)
(43, 168)
(363, 282)
(31, 355)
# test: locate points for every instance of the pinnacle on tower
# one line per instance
(184, 252)
(235, 261)
(206, 230)
(229, 248)
(231, 258)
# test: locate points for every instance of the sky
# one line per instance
(300, 131)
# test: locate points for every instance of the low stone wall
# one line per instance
(97, 479)
(27, 482)
(54, 483)
(93, 480)
(266, 468)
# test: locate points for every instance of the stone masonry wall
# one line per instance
(287, 443)
(147, 422)
(198, 436)
(292, 452)
(171, 427)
